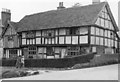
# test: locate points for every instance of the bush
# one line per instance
(10, 74)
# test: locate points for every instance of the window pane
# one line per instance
(49, 41)
(109, 34)
(97, 31)
(62, 32)
(56, 40)
(46, 41)
(97, 40)
(92, 40)
(106, 42)
(106, 34)
(38, 40)
(23, 35)
(23, 41)
(83, 30)
(53, 41)
(101, 41)
(42, 40)
(68, 39)
(109, 42)
(83, 39)
(61, 40)
(28, 42)
(101, 32)
(92, 30)
(38, 33)
(74, 39)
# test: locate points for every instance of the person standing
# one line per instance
(18, 62)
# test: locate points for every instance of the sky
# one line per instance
(20, 8)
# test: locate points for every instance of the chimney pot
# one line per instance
(95, 1)
(60, 6)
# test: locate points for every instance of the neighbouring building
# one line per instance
(63, 32)
(9, 36)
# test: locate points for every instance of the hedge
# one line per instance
(52, 63)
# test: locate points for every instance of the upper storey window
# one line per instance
(30, 35)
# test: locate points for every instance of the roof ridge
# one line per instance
(64, 9)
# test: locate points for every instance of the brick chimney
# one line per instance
(60, 6)
(5, 16)
(95, 1)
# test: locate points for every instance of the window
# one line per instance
(97, 40)
(92, 40)
(72, 31)
(23, 41)
(68, 39)
(74, 39)
(73, 51)
(30, 35)
(30, 41)
(101, 41)
(97, 31)
(106, 33)
(101, 32)
(62, 31)
(93, 30)
(23, 35)
(61, 40)
(83, 39)
(106, 42)
(32, 50)
(83, 30)
(38, 40)
(38, 33)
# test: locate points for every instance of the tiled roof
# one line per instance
(68, 17)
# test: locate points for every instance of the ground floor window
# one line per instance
(32, 50)
(12, 53)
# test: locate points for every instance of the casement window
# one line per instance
(73, 51)
(97, 40)
(30, 35)
(62, 31)
(101, 41)
(101, 32)
(38, 40)
(72, 31)
(61, 40)
(97, 31)
(38, 33)
(83, 39)
(83, 30)
(93, 30)
(32, 50)
(23, 41)
(92, 40)
(74, 39)
(68, 40)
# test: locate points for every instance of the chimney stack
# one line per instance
(95, 1)
(60, 6)
(5, 16)
(119, 15)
